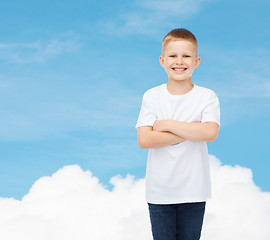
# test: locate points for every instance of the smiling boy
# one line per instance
(175, 122)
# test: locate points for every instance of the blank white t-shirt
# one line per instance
(178, 173)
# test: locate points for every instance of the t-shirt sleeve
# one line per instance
(211, 112)
(147, 116)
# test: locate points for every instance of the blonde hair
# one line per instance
(176, 35)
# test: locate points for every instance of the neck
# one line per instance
(179, 87)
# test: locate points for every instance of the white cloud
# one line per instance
(72, 204)
(37, 51)
(148, 16)
(238, 208)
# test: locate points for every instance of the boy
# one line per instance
(175, 122)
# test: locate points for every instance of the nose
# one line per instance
(179, 60)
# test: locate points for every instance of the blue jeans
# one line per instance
(177, 221)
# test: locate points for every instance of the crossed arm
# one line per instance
(169, 132)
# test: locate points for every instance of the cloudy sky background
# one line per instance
(71, 83)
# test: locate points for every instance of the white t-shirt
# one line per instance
(178, 173)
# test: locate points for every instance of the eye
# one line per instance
(172, 56)
(186, 56)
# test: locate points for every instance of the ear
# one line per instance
(161, 61)
(198, 61)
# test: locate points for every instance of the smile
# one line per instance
(179, 69)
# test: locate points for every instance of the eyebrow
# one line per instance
(184, 53)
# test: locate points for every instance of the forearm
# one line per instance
(147, 138)
(194, 131)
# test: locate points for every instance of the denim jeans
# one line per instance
(177, 221)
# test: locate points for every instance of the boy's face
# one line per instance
(180, 60)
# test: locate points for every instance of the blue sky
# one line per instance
(73, 74)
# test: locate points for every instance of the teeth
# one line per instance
(179, 68)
